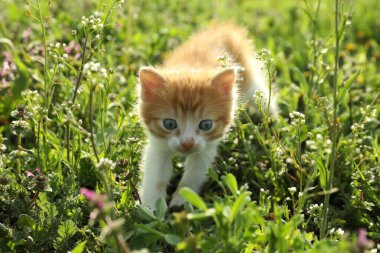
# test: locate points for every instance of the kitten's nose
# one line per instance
(187, 144)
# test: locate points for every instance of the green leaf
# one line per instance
(292, 225)
(212, 174)
(343, 90)
(145, 213)
(199, 216)
(249, 248)
(161, 208)
(172, 239)
(230, 181)
(25, 221)
(368, 188)
(322, 173)
(301, 79)
(79, 248)
(193, 198)
(4, 230)
(20, 83)
(240, 202)
(150, 230)
(304, 131)
(8, 42)
(42, 201)
(67, 229)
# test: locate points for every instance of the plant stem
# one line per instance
(19, 147)
(68, 141)
(334, 126)
(299, 155)
(122, 245)
(79, 78)
(45, 53)
(80, 71)
(266, 117)
(270, 87)
(315, 53)
(46, 75)
(38, 141)
(129, 32)
(109, 12)
(92, 88)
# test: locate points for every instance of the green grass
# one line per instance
(297, 183)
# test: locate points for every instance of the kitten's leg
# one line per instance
(196, 168)
(157, 168)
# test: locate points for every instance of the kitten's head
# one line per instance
(187, 108)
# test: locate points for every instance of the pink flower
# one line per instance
(73, 48)
(29, 174)
(7, 56)
(38, 171)
(7, 70)
(93, 197)
(363, 243)
(89, 194)
(27, 33)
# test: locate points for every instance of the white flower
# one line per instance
(103, 72)
(297, 118)
(20, 124)
(289, 160)
(3, 148)
(279, 151)
(105, 163)
(292, 189)
(340, 231)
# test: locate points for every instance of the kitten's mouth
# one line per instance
(187, 151)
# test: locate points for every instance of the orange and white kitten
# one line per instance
(188, 104)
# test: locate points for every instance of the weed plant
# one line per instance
(70, 138)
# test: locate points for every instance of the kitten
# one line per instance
(188, 104)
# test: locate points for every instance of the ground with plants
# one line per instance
(70, 138)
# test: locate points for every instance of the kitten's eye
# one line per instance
(205, 124)
(170, 124)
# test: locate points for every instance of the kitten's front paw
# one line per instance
(177, 200)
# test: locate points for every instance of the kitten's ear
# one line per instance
(150, 81)
(224, 81)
